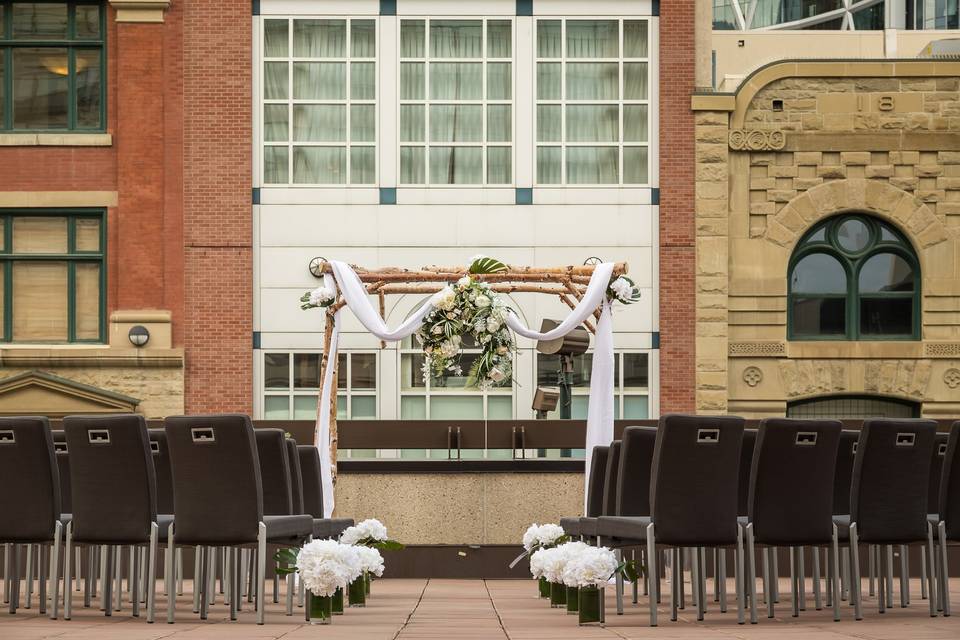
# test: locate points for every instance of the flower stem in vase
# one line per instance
(558, 594)
(544, 588)
(321, 609)
(336, 602)
(590, 605)
(357, 592)
(366, 583)
(573, 599)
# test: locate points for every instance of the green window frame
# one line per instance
(852, 407)
(72, 258)
(876, 237)
(75, 43)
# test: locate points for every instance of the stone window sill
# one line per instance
(66, 139)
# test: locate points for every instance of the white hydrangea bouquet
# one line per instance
(369, 533)
(371, 563)
(325, 568)
(584, 572)
(548, 564)
(535, 538)
(623, 289)
(322, 296)
(469, 307)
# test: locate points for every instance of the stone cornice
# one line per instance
(140, 10)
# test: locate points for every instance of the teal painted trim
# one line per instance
(256, 339)
(656, 339)
(388, 7)
(524, 195)
(655, 196)
(388, 195)
(256, 7)
(655, 8)
(256, 195)
(524, 7)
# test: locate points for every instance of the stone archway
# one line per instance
(872, 196)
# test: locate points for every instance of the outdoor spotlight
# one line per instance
(544, 400)
(138, 335)
(572, 344)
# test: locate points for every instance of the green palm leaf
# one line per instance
(487, 265)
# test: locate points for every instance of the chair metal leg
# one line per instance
(702, 572)
(722, 577)
(197, 584)
(795, 581)
(817, 599)
(653, 573)
(923, 575)
(131, 581)
(845, 575)
(261, 571)
(134, 581)
(768, 581)
(172, 554)
(872, 569)
(619, 583)
(88, 584)
(675, 592)
(802, 577)
(882, 581)
(42, 578)
(855, 571)
(203, 581)
(834, 571)
(290, 588)
(152, 573)
(234, 589)
(6, 573)
(15, 583)
(635, 584)
(904, 578)
(78, 570)
(695, 571)
(944, 573)
(54, 571)
(67, 594)
(179, 572)
(210, 588)
(931, 587)
(28, 575)
(748, 575)
(775, 569)
(888, 580)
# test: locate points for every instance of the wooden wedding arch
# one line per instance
(567, 283)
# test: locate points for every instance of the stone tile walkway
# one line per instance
(483, 610)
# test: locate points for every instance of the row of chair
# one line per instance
(211, 484)
(697, 482)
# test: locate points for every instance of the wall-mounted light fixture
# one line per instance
(138, 335)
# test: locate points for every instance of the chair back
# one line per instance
(160, 451)
(30, 498)
(747, 446)
(950, 485)
(891, 476)
(296, 477)
(791, 481)
(940, 442)
(611, 480)
(216, 479)
(843, 476)
(274, 472)
(693, 494)
(63, 466)
(113, 482)
(598, 472)
(636, 462)
(312, 480)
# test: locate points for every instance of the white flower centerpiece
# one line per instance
(549, 563)
(583, 573)
(372, 534)
(624, 290)
(469, 307)
(538, 537)
(325, 566)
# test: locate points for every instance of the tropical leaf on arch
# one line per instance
(484, 264)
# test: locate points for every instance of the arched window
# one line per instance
(853, 277)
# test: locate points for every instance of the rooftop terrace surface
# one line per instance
(493, 609)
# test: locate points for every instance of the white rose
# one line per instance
(463, 282)
(503, 350)
(497, 375)
(321, 296)
(482, 302)
(492, 325)
(622, 288)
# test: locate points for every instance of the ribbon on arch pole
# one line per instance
(600, 411)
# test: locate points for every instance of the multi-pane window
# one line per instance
(291, 383)
(593, 100)
(854, 278)
(456, 92)
(51, 66)
(319, 101)
(52, 278)
(631, 384)
(448, 397)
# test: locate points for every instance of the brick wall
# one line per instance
(217, 219)
(676, 206)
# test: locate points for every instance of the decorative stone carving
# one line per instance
(942, 349)
(757, 349)
(813, 377)
(757, 140)
(951, 377)
(752, 376)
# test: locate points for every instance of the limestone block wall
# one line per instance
(799, 142)
(459, 508)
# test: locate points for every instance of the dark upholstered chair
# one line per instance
(948, 512)
(598, 471)
(693, 497)
(791, 501)
(313, 496)
(888, 498)
(114, 497)
(30, 505)
(219, 497)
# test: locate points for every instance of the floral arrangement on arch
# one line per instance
(469, 307)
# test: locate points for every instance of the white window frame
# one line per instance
(426, 102)
(290, 101)
(290, 392)
(619, 390)
(620, 101)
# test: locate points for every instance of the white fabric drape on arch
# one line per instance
(600, 411)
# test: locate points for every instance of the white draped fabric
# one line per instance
(600, 411)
